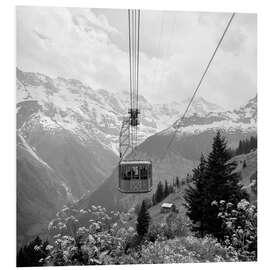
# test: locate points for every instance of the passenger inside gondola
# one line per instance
(126, 173)
(135, 172)
(129, 173)
(143, 173)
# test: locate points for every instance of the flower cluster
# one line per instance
(240, 228)
(180, 250)
(99, 241)
(97, 236)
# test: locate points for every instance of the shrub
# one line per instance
(33, 253)
(159, 232)
(178, 224)
(104, 242)
(181, 250)
(101, 242)
(175, 226)
(240, 228)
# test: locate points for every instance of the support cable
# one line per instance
(199, 84)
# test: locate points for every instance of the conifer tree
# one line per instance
(166, 190)
(213, 180)
(171, 188)
(159, 195)
(177, 182)
(194, 196)
(143, 220)
(154, 202)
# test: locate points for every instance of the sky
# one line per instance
(91, 45)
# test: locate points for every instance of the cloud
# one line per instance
(43, 37)
(92, 45)
(87, 19)
(78, 50)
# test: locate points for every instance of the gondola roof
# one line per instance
(135, 162)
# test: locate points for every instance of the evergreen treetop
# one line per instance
(143, 220)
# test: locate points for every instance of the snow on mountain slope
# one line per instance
(243, 120)
(69, 104)
(194, 134)
(63, 121)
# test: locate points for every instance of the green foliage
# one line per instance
(175, 226)
(157, 231)
(33, 254)
(180, 250)
(177, 182)
(240, 228)
(194, 197)
(166, 189)
(101, 242)
(110, 239)
(159, 194)
(178, 224)
(96, 236)
(245, 146)
(213, 180)
(143, 220)
(148, 204)
(253, 181)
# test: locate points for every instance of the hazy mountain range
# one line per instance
(67, 143)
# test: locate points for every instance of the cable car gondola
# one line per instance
(135, 176)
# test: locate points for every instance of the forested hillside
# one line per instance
(145, 234)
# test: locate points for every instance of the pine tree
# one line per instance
(194, 196)
(177, 182)
(166, 190)
(213, 180)
(223, 181)
(159, 195)
(245, 146)
(143, 220)
(154, 202)
(171, 188)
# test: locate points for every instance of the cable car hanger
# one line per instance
(129, 131)
(135, 176)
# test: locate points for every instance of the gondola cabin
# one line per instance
(135, 176)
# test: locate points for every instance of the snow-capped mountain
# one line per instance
(243, 119)
(69, 104)
(194, 133)
(67, 141)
